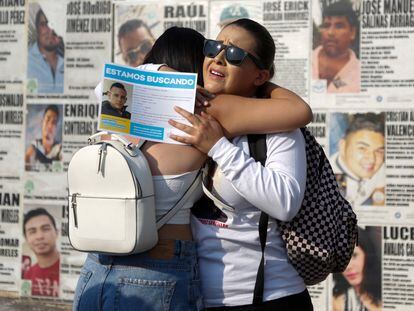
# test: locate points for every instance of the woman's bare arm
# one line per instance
(283, 111)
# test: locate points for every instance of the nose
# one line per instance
(50, 125)
(220, 58)
(47, 29)
(331, 30)
(39, 235)
(370, 156)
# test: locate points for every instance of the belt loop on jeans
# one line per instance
(179, 251)
(106, 259)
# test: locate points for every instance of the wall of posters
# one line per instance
(350, 59)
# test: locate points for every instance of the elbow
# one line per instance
(289, 215)
(290, 203)
(288, 210)
(308, 115)
(294, 203)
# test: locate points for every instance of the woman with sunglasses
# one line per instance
(239, 62)
(166, 277)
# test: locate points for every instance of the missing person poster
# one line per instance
(67, 43)
(44, 177)
(12, 43)
(140, 103)
(357, 156)
(10, 238)
(359, 286)
(137, 24)
(40, 261)
(397, 267)
(45, 49)
(12, 118)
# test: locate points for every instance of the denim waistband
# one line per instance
(182, 249)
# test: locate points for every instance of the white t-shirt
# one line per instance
(228, 242)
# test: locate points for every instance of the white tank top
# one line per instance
(168, 191)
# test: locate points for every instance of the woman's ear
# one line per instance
(263, 75)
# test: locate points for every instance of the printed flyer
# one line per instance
(140, 103)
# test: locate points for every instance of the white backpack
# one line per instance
(111, 198)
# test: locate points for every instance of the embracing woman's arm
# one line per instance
(283, 111)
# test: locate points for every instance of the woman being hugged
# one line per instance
(240, 62)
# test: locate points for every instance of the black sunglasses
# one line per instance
(234, 55)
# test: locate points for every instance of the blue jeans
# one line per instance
(139, 282)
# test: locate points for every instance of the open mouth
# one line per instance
(216, 73)
(368, 167)
(41, 245)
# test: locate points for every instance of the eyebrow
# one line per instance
(41, 227)
(367, 144)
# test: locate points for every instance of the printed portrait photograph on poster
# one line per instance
(225, 12)
(359, 287)
(40, 262)
(116, 99)
(46, 49)
(335, 56)
(135, 40)
(231, 13)
(357, 156)
(135, 30)
(43, 145)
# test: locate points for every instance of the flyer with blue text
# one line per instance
(140, 103)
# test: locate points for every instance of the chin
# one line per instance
(331, 52)
(212, 88)
(51, 47)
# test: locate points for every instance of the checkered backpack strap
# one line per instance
(258, 151)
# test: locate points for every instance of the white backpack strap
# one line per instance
(163, 220)
(207, 181)
(217, 202)
(93, 137)
(128, 146)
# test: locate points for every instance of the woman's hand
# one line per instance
(202, 97)
(204, 132)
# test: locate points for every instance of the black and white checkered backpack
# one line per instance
(321, 238)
